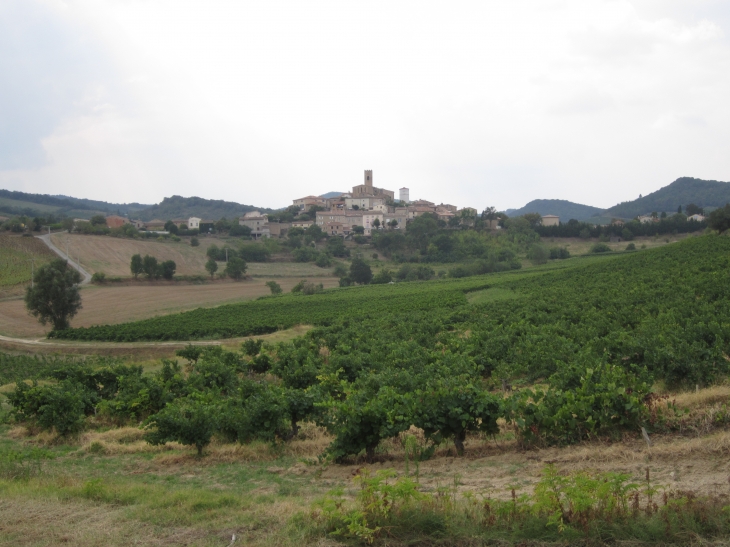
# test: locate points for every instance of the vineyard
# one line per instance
(16, 254)
(538, 359)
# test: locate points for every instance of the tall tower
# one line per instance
(404, 195)
(368, 177)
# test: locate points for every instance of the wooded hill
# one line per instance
(560, 207)
(683, 191)
(206, 209)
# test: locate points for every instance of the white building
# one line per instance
(193, 223)
(404, 195)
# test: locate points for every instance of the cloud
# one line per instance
(474, 103)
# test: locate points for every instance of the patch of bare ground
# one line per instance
(112, 305)
(51, 522)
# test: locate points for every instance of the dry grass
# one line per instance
(578, 246)
(51, 522)
(703, 397)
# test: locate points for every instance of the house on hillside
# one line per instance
(194, 223)
(647, 219)
(258, 222)
(308, 201)
(697, 218)
(155, 225)
(115, 221)
(550, 220)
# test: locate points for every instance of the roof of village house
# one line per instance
(550, 216)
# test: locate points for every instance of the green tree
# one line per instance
(136, 265)
(538, 254)
(150, 267)
(171, 227)
(235, 268)
(194, 242)
(376, 223)
(211, 266)
(358, 230)
(719, 219)
(360, 271)
(693, 209)
(167, 269)
(188, 422)
(98, 220)
(54, 296)
(274, 287)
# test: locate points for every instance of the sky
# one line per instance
(473, 103)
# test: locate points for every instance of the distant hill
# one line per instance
(117, 208)
(560, 207)
(178, 207)
(330, 195)
(683, 191)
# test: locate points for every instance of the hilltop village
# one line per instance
(366, 206)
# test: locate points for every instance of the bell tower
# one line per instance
(368, 177)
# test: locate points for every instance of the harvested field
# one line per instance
(111, 305)
(112, 256)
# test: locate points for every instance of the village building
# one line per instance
(696, 218)
(155, 225)
(368, 202)
(368, 190)
(550, 220)
(279, 229)
(258, 222)
(115, 221)
(306, 202)
(194, 223)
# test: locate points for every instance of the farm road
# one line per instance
(47, 240)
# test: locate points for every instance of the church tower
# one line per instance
(368, 177)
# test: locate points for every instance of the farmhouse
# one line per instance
(550, 220)
(194, 223)
(115, 221)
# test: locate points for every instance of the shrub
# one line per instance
(274, 287)
(187, 421)
(194, 242)
(323, 260)
(630, 247)
(98, 278)
(59, 406)
(559, 253)
(340, 270)
(252, 347)
(235, 268)
(600, 248)
(382, 277)
(254, 253)
(538, 254)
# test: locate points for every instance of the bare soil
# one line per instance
(112, 304)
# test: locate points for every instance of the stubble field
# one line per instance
(111, 305)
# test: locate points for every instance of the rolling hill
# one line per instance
(683, 191)
(176, 207)
(560, 207)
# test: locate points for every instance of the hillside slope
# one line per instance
(560, 207)
(176, 207)
(683, 191)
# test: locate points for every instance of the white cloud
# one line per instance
(469, 102)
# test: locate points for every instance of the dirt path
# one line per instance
(47, 240)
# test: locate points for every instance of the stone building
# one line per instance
(550, 220)
(368, 190)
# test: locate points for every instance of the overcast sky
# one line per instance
(473, 103)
